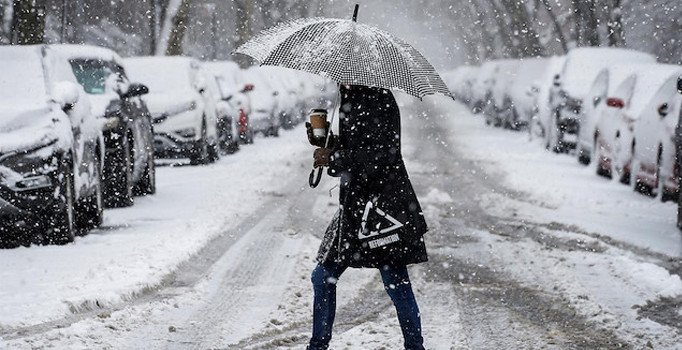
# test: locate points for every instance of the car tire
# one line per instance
(147, 183)
(201, 153)
(118, 177)
(90, 211)
(60, 226)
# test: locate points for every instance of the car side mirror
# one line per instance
(66, 94)
(663, 110)
(135, 89)
(679, 85)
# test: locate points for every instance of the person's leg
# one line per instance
(324, 279)
(398, 286)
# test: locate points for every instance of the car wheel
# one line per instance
(201, 154)
(118, 176)
(90, 212)
(213, 153)
(147, 183)
(60, 227)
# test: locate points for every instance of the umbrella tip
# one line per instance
(355, 12)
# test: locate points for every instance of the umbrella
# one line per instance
(348, 53)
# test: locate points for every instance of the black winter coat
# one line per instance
(380, 221)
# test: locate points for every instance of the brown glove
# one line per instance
(321, 157)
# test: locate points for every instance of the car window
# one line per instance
(92, 74)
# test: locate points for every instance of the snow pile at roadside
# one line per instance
(567, 191)
(138, 247)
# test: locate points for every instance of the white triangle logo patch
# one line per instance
(365, 233)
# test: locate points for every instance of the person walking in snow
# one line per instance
(379, 223)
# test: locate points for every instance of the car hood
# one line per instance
(169, 103)
(23, 128)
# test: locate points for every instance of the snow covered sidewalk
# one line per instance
(562, 190)
(138, 247)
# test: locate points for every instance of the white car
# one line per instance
(654, 161)
(183, 106)
(637, 96)
(581, 67)
(51, 148)
(482, 87)
(502, 111)
(263, 100)
(594, 104)
(234, 91)
(522, 91)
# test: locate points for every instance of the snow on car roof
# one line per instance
(163, 73)
(583, 64)
(529, 71)
(650, 79)
(75, 51)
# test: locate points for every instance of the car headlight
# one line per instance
(34, 161)
(34, 182)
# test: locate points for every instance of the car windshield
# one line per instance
(22, 81)
(92, 75)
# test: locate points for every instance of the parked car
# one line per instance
(482, 88)
(654, 155)
(580, 69)
(263, 100)
(594, 103)
(541, 93)
(128, 135)
(51, 148)
(234, 92)
(523, 90)
(638, 95)
(503, 108)
(182, 106)
(228, 130)
(460, 82)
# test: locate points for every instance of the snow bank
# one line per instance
(569, 192)
(138, 247)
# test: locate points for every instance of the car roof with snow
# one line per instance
(75, 51)
(163, 73)
(650, 79)
(583, 64)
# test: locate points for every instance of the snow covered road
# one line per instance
(527, 250)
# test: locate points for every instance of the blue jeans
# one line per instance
(397, 285)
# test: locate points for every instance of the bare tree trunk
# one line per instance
(527, 42)
(557, 26)
(178, 29)
(503, 30)
(28, 22)
(616, 33)
(244, 10)
(585, 22)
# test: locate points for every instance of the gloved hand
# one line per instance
(321, 157)
(319, 141)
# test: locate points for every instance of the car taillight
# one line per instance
(615, 102)
(243, 121)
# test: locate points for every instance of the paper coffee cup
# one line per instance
(318, 121)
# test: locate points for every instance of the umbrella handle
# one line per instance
(314, 179)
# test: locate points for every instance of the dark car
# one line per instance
(129, 158)
(51, 149)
